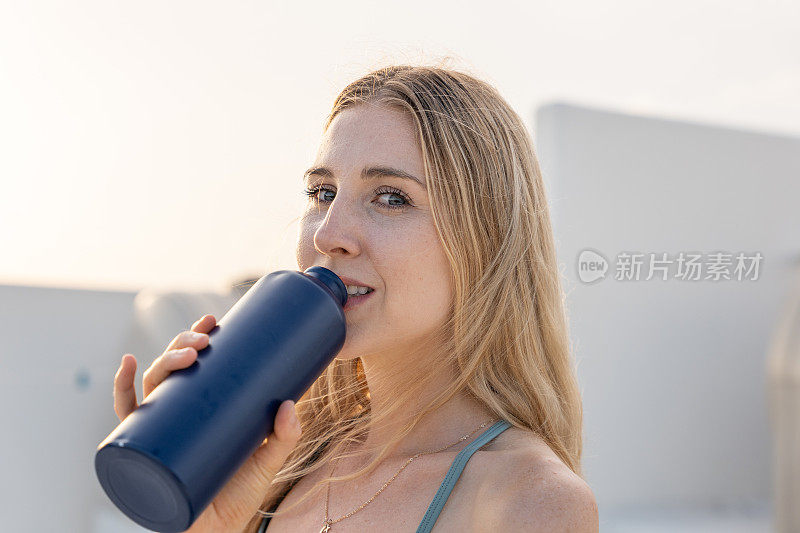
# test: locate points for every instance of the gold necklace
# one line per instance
(326, 525)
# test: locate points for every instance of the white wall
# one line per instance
(60, 351)
(672, 372)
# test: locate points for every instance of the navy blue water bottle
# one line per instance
(170, 457)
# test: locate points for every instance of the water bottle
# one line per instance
(167, 460)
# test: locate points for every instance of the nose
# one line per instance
(338, 233)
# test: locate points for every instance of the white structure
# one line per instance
(60, 351)
(673, 372)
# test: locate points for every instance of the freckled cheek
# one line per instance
(305, 252)
(410, 277)
(304, 245)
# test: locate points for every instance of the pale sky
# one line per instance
(161, 143)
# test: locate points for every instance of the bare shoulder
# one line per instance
(529, 488)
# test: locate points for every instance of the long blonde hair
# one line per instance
(506, 337)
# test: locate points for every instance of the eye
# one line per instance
(313, 194)
(393, 192)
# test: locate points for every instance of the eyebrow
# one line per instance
(367, 173)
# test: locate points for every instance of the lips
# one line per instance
(357, 299)
(352, 281)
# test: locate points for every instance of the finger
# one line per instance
(270, 457)
(164, 365)
(285, 434)
(196, 339)
(205, 324)
(124, 390)
(244, 493)
(180, 353)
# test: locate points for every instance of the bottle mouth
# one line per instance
(329, 278)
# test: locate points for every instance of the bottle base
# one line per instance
(143, 489)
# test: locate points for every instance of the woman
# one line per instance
(426, 195)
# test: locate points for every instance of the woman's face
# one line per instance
(375, 228)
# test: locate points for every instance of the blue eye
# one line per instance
(313, 194)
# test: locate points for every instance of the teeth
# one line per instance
(355, 289)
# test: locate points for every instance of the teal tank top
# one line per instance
(437, 504)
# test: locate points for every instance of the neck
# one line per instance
(459, 416)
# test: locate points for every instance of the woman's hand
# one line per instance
(239, 499)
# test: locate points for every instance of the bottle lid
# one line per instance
(330, 280)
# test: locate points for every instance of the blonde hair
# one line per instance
(506, 337)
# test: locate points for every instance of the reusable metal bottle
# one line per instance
(170, 457)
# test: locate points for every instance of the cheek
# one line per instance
(304, 246)
(419, 280)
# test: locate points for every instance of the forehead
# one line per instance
(367, 134)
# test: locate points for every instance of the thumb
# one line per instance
(270, 456)
(244, 493)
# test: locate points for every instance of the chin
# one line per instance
(347, 352)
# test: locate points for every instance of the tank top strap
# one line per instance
(453, 474)
(447, 485)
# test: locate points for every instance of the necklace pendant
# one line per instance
(325, 528)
